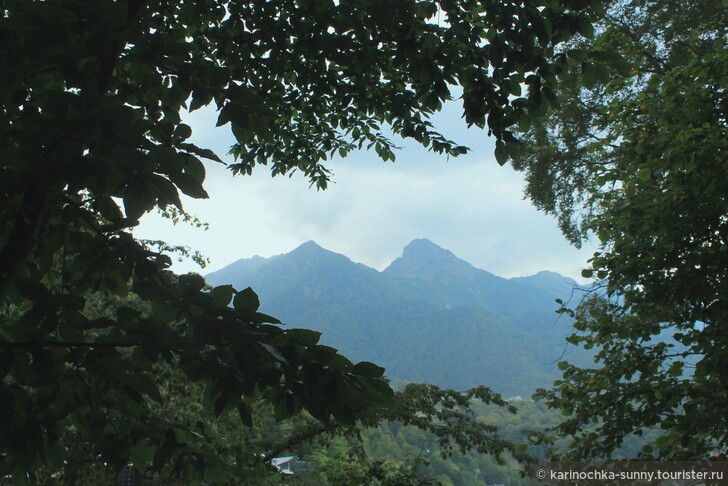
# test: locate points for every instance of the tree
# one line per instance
(635, 154)
(446, 420)
(92, 139)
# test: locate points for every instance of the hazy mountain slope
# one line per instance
(436, 274)
(308, 277)
(428, 317)
(460, 347)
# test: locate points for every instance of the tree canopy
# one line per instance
(635, 155)
(91, 139)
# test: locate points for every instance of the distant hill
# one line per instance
(428, 317)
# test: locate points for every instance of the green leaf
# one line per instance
(32, 290)
(644, 174)
(538, 104)
(200, 98)
(166, 160)
(182, 132)
(233, 113)
(190, 185)
(108, 208)
(614, 60)
(368, 370)
(7, 402)
(284, 407)
(167, 191)
(382, 387)
(590, 74)
(221, 404)
(139, 197)
(524, 122)
(246, 300)
(191, 282)
(578, 55)
(242, 134)
(261, 318)
(586, 29)
(306, 337)
(144, 384)
(501, 152)
(194, 167)
(245, 414)
(142, 454)
(273, 351)
(202, 152)
(514, 149)
(222, 295)
(513, 87)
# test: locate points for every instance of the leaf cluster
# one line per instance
(637, 158)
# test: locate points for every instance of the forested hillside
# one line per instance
(429, 317)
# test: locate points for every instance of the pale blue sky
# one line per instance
(469, 205)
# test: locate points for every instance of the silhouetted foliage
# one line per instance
(91, 139)
(636, 155)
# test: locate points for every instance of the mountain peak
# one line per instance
(546, 279)
(424, 246)
(311, 253)
(309, 248)
(422, 257)
(426, 251)
(310, 244)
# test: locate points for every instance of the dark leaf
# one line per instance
(246, 300)
(368, 370)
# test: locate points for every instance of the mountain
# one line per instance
(307, 277)
(437, 275)
(428, 317)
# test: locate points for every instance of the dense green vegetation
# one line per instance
(393, 453)
(110, 360)
(91, 139)
(637, 157)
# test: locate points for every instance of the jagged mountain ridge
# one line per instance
(428, 270)
(428, 317)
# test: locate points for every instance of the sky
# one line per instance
(469, 205)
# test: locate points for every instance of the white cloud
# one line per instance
(469, 205)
